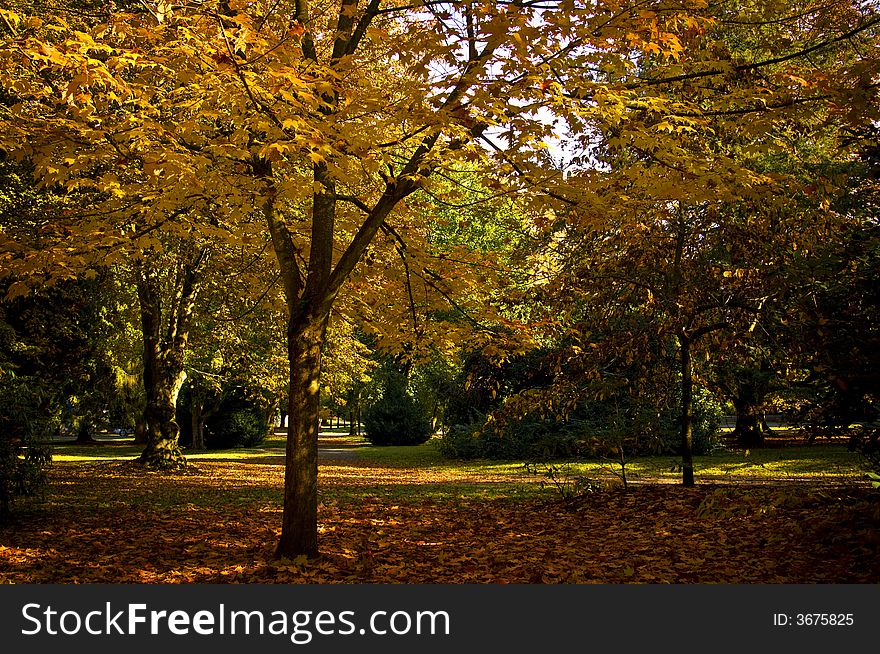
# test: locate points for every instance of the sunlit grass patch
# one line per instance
(110, 451)
(350, 466)
(793, 461)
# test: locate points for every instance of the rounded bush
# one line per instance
(396, 419)
(240, 427)
(237, 422)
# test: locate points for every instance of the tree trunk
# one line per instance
(271, 412)
(140, 431)
(84, 433)
(687, 412)
(197, 419)
(162, 449)
(164, 351)
(751, 427)
(299, 525)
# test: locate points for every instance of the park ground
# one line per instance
(794, 514)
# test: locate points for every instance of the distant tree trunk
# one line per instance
(751, 426)
(140, 430)
(436, 425)
(351, 423)
(84, 433)
(269, 417)
(752, 386)
(165, 343)
(687, 411)
(197, 420)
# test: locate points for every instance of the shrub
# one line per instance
(238, 421)
(865, 440)
(396, 418)
(22, 471)
(462, 441)
(23, 461)
(595, 429)
(708, 414)
(236, 427)
(517, 438)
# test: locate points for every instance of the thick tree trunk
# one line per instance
(165, 345)
(84, 433)
(162, 449)
(687, 412)
(299, 525)
(163, 377)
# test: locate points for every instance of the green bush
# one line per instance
(22, 471)
(653, 425)
(527, 438)
(595, 429)
(237, 421)
(462, 442)
(396, 418)
(708, 414)
(23, 419)
(238, 427)
(865, 440)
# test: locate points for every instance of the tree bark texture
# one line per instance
(751, 425)
(299, 525)
(197, 420)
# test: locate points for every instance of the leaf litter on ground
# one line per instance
(217, 521)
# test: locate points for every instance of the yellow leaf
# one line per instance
(17, 289)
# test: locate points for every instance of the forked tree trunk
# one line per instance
(299, 526)
(165, 343)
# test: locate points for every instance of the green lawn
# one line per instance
(816, 462)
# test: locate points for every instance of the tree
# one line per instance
(831, 333)
(710, 221)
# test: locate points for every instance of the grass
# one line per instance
(795, 461)
(410, 472)
(790, 460)
(119, 450)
